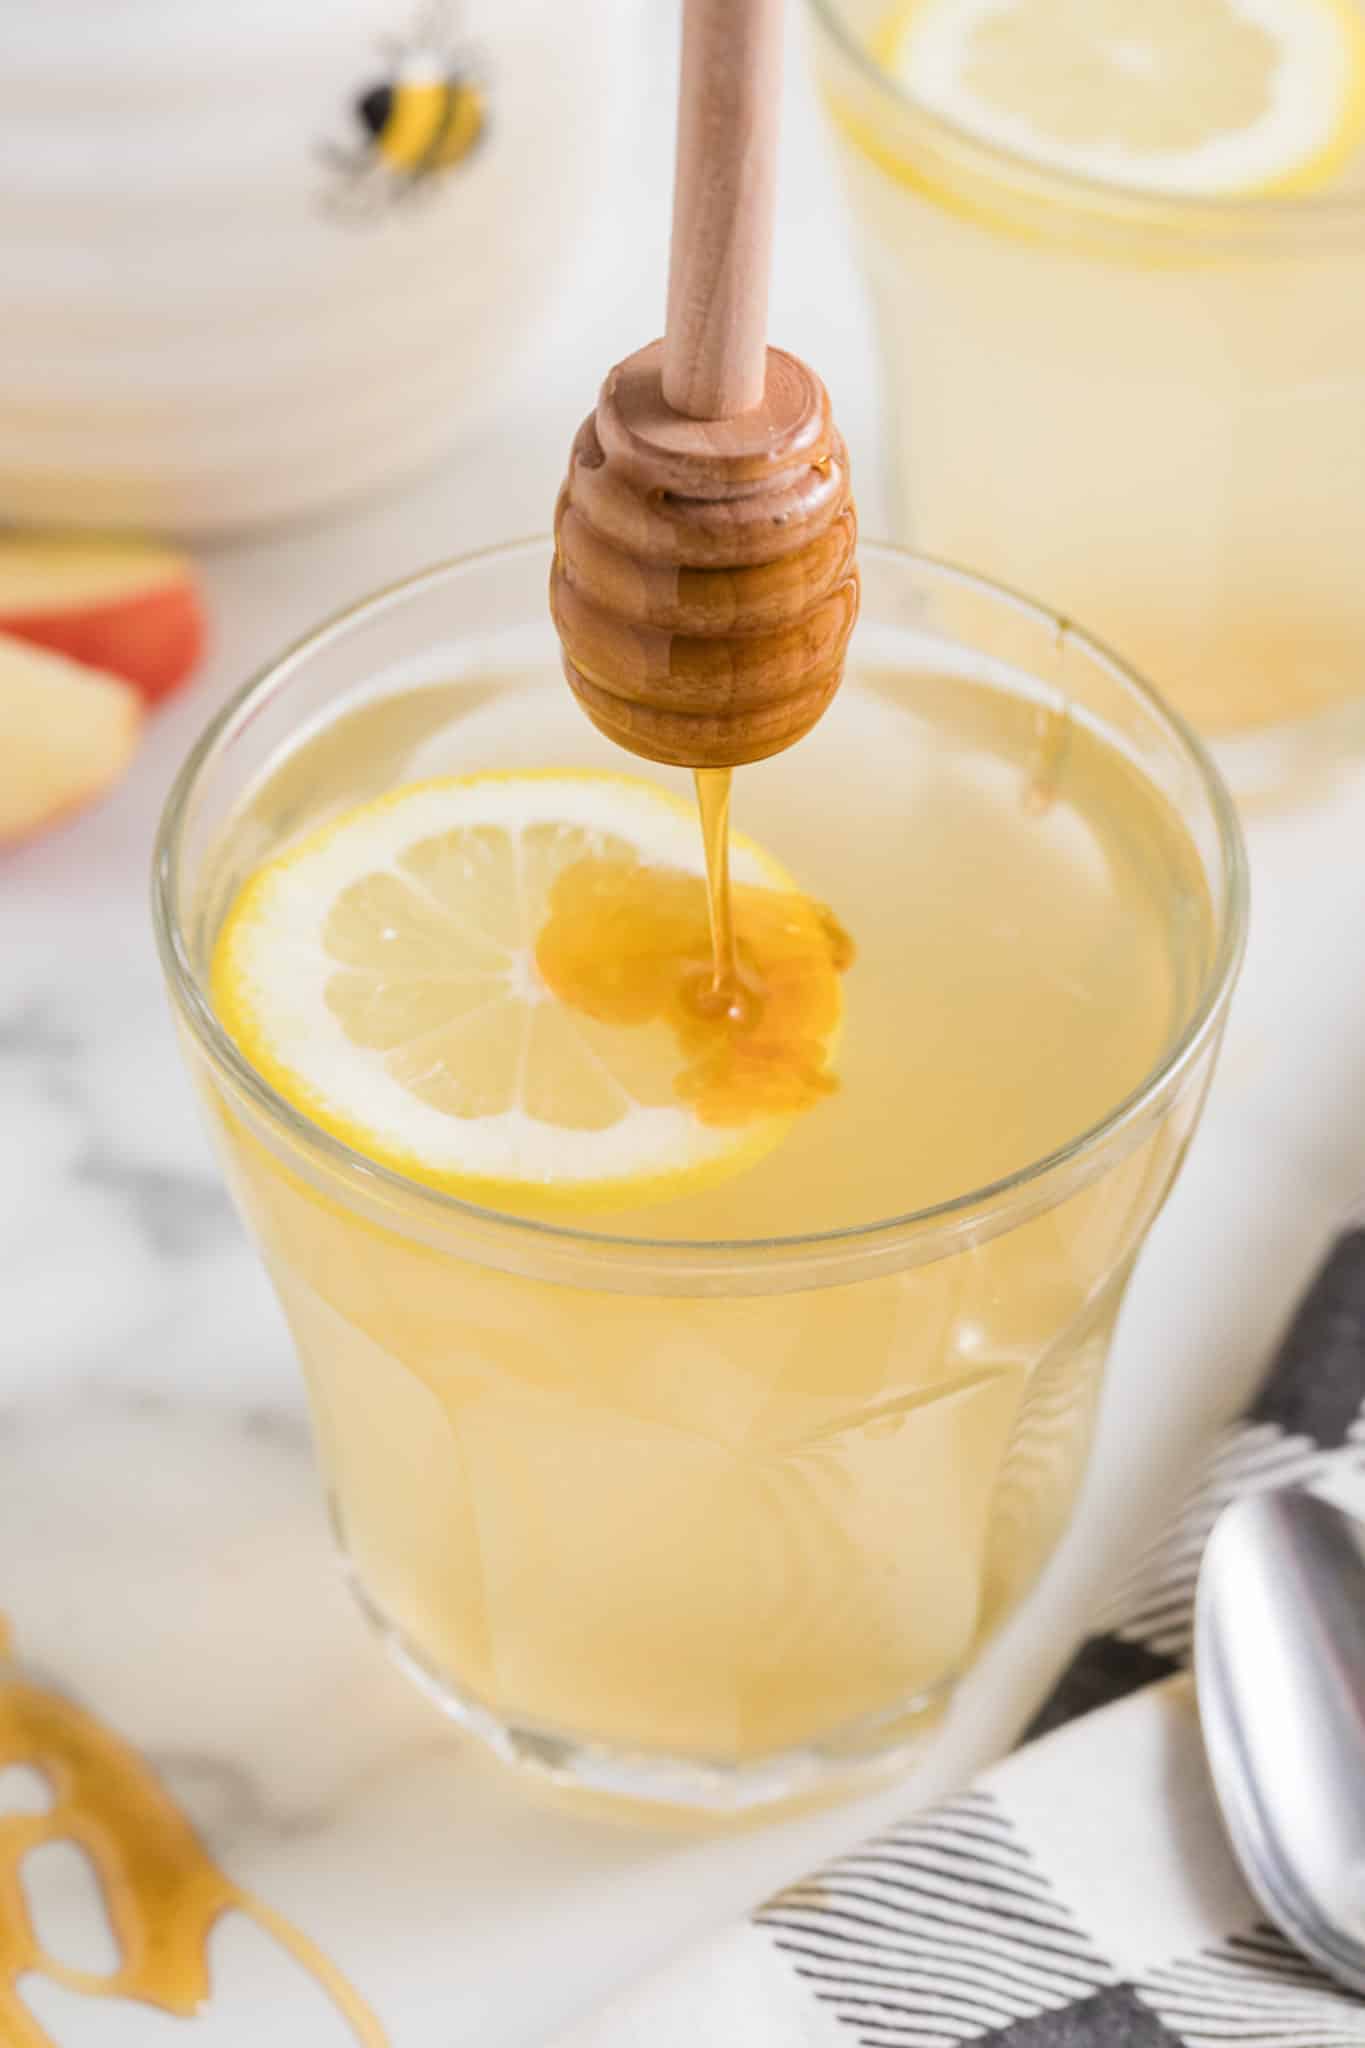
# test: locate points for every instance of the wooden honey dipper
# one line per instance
(704, 583)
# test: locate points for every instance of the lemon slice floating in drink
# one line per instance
(499, 986)
(1196, 98)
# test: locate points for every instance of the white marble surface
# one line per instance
(162, 1547)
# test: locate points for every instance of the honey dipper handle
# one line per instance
(725, 189)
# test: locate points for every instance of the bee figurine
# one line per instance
(424, 115)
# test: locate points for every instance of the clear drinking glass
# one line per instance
(1150, 411)
(702, 1519)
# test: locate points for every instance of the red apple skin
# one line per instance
(152, 638)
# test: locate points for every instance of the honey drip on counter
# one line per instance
(162, 1893)
(745, 977)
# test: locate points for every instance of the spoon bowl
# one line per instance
(1279, 1659)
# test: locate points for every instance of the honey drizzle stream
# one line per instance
(713, 801)
(162, 1893)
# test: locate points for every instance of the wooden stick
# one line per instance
(724, 193)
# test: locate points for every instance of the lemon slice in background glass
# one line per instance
(1207, 99)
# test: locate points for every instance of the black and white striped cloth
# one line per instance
(1082, 1895)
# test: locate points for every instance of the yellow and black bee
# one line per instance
(427, 113)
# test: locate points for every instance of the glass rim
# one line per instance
(1133, 204)
(974, 1208)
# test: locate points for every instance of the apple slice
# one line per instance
(122, 605)
(66, 734)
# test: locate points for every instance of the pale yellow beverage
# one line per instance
(714, 1470)
(1117, 258)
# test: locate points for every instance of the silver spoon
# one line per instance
(1279, 1660)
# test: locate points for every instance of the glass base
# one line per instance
(853, 1758)
(1283, 766)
